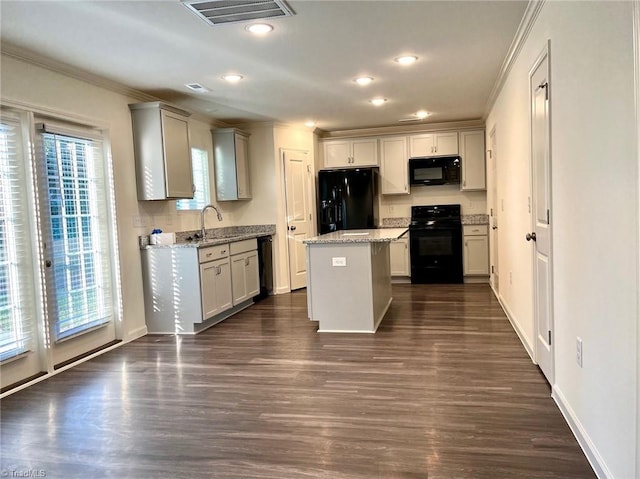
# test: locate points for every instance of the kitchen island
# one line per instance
(349, 279)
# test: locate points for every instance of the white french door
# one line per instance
(76, 240)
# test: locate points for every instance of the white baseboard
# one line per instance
(135, 334)
(585, 442)
(515, 327)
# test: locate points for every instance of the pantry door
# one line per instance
(540, 235)
(299, 218)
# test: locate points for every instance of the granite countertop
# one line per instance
(217, 236)
(359, 236)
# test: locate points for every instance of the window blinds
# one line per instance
(200, 169)
(18, 324)
(75, 205)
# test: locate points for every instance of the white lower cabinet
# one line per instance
(476, 250)
(399, 257)
(215, 287)
(188, 289)
(245, 279)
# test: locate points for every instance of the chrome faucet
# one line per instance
(203, 231)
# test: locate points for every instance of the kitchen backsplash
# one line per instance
(403, 221)
(399, 206)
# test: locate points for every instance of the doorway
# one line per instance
(297, 173)
(540, 236)
(493, 211)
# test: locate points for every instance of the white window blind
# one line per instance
(200, 168)
(76, 205)
(17, 291)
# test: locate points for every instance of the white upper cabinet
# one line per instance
(394, 176)
(162, 151)
(350, 153)
(473, 160)
(231, 164)
(433, 144)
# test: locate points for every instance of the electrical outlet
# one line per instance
(510, 277)
(391, 210)
(139, 221)
(169, 220)
(579, 351)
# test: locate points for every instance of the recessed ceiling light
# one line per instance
(232, 78)
(406, 59)
(363, 81)
(259, 28)
(310, 123)
(378, 101)
(422, 114)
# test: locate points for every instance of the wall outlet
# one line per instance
(339, 261)
(510, 277)
(139, 221)
(391, 210)
(579, 351)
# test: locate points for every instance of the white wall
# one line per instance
(35, 87)
(594, 217)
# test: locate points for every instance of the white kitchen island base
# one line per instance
(349, 280)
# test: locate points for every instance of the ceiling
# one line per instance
(301, 71)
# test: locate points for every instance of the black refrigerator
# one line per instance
(347, 199)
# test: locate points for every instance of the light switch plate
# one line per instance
(339, 261)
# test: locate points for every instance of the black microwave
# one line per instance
(439, 170)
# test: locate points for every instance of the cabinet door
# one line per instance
(393, 166)
(364, 152)
(399, 257)
(177, 156)
(224, 298)
(242, 166)
(473, 163)
(208, 272)
(238, 282)
(337, 154)
(445, 144)
(252, 276)
(421, 145)
(476, 255)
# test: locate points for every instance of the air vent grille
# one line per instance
(220, 12)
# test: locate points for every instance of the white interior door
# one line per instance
(297, 183)
(540, 237)
(493, 210)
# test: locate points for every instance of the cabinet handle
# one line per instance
(224, 251)
(218, 270)
(246, 261)
(209, 254)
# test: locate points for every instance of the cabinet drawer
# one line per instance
(244, 246)
(211, 253)
(475, 230)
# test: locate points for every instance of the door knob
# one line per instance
(531, 236)
(292, 228)
(494, 227)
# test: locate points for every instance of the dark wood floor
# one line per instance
(444, 389)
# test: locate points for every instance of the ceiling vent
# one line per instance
(197, 87)
(219, 12)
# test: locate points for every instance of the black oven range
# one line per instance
(436, 244)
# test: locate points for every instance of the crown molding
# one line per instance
(28, 56)
(404, 129)
(522, 33)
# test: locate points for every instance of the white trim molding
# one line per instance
(588, 447)
(514, 325)
(636, 79)
(522, 33)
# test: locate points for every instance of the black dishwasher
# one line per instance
(265, 267)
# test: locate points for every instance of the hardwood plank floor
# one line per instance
(444, 389)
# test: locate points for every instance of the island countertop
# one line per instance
(359, 236)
